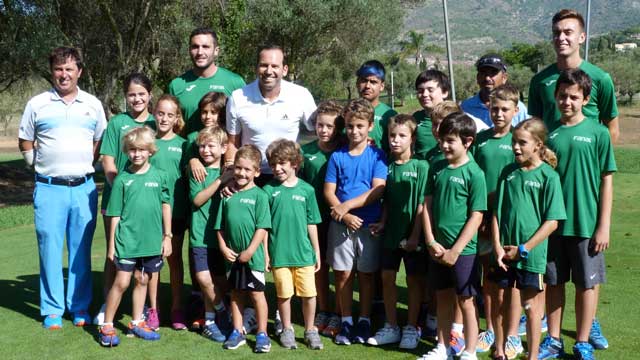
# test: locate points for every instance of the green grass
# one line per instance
(23, 336)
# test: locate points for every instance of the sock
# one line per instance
(432, 321)
(362, 318)
(457, 328)
(209, 315)
(136, 322)
(348, 319)
(219, 306)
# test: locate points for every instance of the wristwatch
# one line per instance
(523, 252)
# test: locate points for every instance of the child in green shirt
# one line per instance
(432, 88)
(439, 112)
(140, 232)
(212, 109)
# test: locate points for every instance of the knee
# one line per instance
(142, 278)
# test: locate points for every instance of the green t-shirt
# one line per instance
(424, 138)
(117, 127)
(292, 209)
(380, 132)
(201, 233)
(170, 158)
(492, 154)
(456, 193)
(137, 199)
(524, 200)
(189, 89)
(403, 193)
(313, 171)
(584, 153)
(239, 216)
(432, 156)
(542, 102)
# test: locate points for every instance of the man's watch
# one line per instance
(523, 252)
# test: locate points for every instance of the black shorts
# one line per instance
(514, 277)
(323, 242)
(207, 259)
(241, 277)
(148, 264)
(463, 275)
(572, 258)
(415, 262)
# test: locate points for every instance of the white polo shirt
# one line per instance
(260, 121)
(65, 133)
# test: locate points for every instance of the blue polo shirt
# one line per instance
(475, 107)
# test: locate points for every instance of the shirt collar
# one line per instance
(80, 97)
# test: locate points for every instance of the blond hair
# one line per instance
(443, 109)
(249, 152)
(179, 125)
(212, 133)
(403, 119)
(505, 92)
(538, 131)
(140, 137)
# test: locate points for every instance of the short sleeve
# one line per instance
(313, 212)
(423, 174)
(263, 214)
(478, 192)
(110, 140)
(219, 223)
(166, 193)
(27, 124)
(554, 200)
(308, 108)
(233, 126)
(535, 103)
(605, 153)
(380, 169)
(607, 105)
(101, 121)
(116, 199)
(332, 170)
(194, 187)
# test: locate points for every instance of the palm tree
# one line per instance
(413, 45)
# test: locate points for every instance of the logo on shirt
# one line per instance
(247, 201)
(124, 127)
(174, 149)
(216, 87)
(552, 136)
(129, 182)
(532, 183)
(312, 157)
(482, 144)
(285, 117)
(298, 198)
(411, 174)
(505, 147)
(189, 88)
(275, 193)
(151, 184)
(510, 177)
(549, 83)
(582, 139)
(456, 179)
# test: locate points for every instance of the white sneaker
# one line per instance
(437, 354)
(249, 322)
(410, 337)
(99, 318)
(386, 335)
(468, 356)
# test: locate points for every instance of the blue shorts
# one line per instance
(514, 277)
(207, 259)
(147, 264)
(415, 262)
(463, 275)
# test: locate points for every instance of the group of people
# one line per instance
(488, 189)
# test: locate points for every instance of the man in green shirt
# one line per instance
(568, 35)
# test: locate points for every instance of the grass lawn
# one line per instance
(23, 337)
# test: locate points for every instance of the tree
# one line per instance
(413, 45)
(624, 73)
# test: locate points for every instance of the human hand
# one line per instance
(449, 258)
(511, 253)
(353, 222)
(376, 228)
(499, 257)
(245, 256)
(600, 240)
(436, 251)
(197, 169)
(228, 191)
(339, 211)
(229, 254)
(166, 246)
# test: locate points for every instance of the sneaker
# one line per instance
(551, 348)
(544, 328)
(212, 332)
(333, 326)
(344, 336)
(99, 318)
(143, 331)
(321, 321)
(583, 351)
(249, 322)
(107, 336)
(362, 332)
(235, 340)
(277, 324)
(522, 326)
(436, 354)
(468, 356)
(410, 337)
(197, 325)
(178, 320)
(385, 335)
(288, 339)
(596, 339)
(312, 339)
(485, 341)
(52, 322)
(81, 318)
(456, 343)
(152, 319)
(263, 343)
(223, 320)
(513, 347)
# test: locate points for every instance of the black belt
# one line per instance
(62, 181)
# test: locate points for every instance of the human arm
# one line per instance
(377, 228)
(228, 254)
(96, 150)
(600, 240)
(368, 197)
(259, 237)
(614, 129)
(495, 242)
(197, 169)
(27, 150)
(435, 249)
(109, 167)
(351, 221)
(549, 226)
(470, 228)
(267, 258)
(205, 194)
(312, 229)
(111, 241)
(414, 237)
(166, 230)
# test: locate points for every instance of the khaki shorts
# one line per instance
(301, 278)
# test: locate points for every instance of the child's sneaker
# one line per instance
(468, 356)
(333, 326)
(152, 319)
(513, 347)
(249, 322)
(544, 326)
(288, 339)
(52, 322)
(522, 326)
(362, 332)
(178, 320)
(99, 318)
(410, 337)
(551, 348)
(583, 351)
(107, 336)
(263, 343)
(277, 324)
(596, 339)
(321, 320)
(312, 339)
(212, 332)
(385, 335)
(456, 343)
(235, 340)
(344, 336)
(143, 331)
(436, 353)
(485, 341)
(81, 318)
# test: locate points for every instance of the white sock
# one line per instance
(442, 348)
(348, 319)
(136, 322)
(459, 328)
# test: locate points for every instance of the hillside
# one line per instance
(478, 26)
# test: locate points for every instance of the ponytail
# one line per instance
(547, 155)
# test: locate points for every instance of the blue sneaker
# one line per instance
(456, 343)
(263, 343)
(81, 318)
(485, 341)
(107, 336)
(522, 326)
(235, 340)
(344, 336)
(52, 322)
(143, 331)
(583, 351)
(362, 332)
(596, 339)
(212, 332)
(551, 348)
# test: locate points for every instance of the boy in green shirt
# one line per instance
(456, 197)
(400, 227)
(293, 240)
(243, 221)
(585, 165)
(432, 88)
(136, 243)
(439, 112)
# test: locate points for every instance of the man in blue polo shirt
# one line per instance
(59, 135)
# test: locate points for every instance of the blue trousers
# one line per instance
(65, 212)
